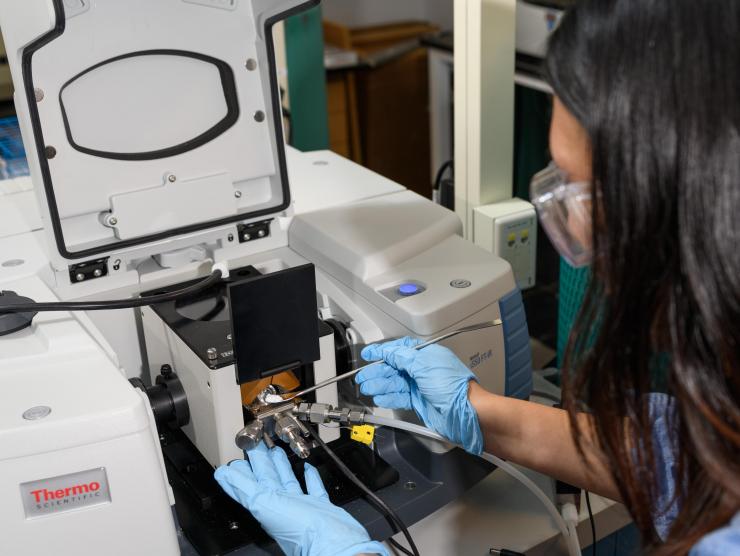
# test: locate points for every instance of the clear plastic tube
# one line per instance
(570, 516)
(573, 548)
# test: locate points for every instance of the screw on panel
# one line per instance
(13, 262)
(261, 233)
(233, 526)
(36, 413)
(172, 178)
(97, 273)
(212, 354)
(50, 152)
(230, 237)
(259, 116)
(39, 94)
(251, 64)
(247, 237)
(237, 194)
(79, 277)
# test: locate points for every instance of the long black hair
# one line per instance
(656, 85)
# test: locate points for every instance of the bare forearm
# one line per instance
(539, 438)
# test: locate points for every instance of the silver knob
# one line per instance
(250, 436)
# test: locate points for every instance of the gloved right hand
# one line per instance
(431, 381)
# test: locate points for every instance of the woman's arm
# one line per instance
(539, 438)
(440, 388)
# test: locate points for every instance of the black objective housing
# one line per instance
(167, 399)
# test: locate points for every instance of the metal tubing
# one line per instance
(350, 374)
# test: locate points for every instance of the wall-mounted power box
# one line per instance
(509, 229)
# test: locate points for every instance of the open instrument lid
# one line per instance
(152, 119)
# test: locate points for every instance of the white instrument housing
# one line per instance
(154, 137)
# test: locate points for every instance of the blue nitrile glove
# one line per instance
(432, 381)
(302, 524)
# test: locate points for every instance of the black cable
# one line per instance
(391, 515)
(212, 280)
(382, 506)
(593, 524)
(441, 173)
(398, 546)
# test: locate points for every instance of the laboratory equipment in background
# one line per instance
(13, 163)
(534, 21)
(476, 138)
(441, 110)
(484, 105)
(378, 107)
(244, 269)
(509, 229)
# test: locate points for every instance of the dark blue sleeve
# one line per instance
(662, 411)
(722, 542)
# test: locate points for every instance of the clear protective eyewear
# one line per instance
(564, 209)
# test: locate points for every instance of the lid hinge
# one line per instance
(88, 270)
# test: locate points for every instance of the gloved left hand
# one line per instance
(302, 524)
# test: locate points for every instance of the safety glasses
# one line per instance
(564, 209)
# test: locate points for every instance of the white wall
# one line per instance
(361, 13)
(281, 62)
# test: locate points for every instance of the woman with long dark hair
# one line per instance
(655, 87)
(644, 186)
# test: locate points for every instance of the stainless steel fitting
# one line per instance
(292, 432)
(284, 421)
(324, 413)
(250, 436)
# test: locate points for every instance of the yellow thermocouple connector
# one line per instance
(363, 433)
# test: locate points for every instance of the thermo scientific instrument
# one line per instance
(244, 268)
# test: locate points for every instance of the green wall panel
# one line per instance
(304, 46)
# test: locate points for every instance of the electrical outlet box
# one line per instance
(509, 230)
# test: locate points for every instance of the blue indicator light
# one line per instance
(408, 289)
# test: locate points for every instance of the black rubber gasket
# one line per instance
(27, 71)
(227, 83)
